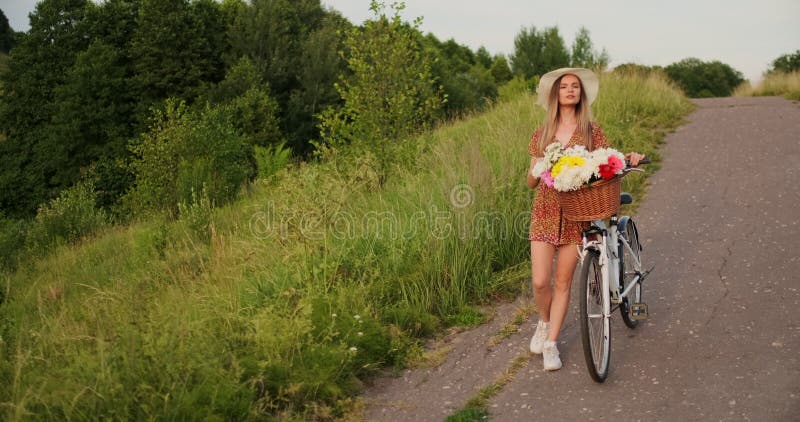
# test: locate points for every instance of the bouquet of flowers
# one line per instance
(571, 168)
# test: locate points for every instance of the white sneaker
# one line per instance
(551, 360)
(537, 341)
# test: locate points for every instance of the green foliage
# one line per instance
(187, 153)
(111, 179)
(320, 66)
(470, 414)
(39, 64)
(700, 79)
(584, 55)
(538, 52)
(8, 37)
(466, 81)
(293, 43)
(12, 241)
(517, 86)
(483, 58)
(175, 48)
(272, 159)
(247, 98)
(93, 115)
(786, 63)
(501, 71)
(635, 69)
(389, 94)
(69, 217)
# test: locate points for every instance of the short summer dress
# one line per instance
(547, 222)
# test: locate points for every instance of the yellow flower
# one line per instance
(567, 161)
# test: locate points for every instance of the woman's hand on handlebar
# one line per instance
(634, 159)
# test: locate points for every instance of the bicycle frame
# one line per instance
(609, 261)
(606, 246)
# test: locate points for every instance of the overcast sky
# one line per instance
(746, 34)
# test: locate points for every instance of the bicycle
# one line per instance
(611, 278)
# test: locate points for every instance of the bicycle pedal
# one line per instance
(639, 311)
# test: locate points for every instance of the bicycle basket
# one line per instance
(594, 202)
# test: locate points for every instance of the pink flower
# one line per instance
(615, 163)
(547, 178)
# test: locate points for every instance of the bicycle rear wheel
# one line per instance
(628, 271)
(595, 330)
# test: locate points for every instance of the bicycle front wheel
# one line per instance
(595, 330)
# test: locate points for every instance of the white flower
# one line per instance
(357, 316)
(333, 315)
(540, 168)
(570, 178)
(577, 150)
(354, 349)
(360, 334)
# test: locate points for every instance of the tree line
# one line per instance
(89, 83)
(85, 90)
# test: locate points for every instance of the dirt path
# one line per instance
(721, 221)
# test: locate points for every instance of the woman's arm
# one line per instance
(532, 181)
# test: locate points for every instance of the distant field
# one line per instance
(780, 84)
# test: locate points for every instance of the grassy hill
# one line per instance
(278, 305)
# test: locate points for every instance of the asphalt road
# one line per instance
(721, 224)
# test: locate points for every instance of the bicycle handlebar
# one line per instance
(642, 161)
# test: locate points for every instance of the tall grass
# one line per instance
(280, 304)
(779, 83)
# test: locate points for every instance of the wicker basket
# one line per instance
(595, 202)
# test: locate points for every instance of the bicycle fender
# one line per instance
(623, 223)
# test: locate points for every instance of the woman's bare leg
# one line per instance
(541, 268)
(565, 267)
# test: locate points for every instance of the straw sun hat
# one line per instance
(588, 79)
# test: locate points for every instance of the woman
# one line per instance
(567, 95)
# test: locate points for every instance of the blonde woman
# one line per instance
(567, 95)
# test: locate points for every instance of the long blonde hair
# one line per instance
(553, 114)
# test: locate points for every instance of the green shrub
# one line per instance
(186, 152)
(516, 87)
(66, 219)
(272, 159)
(700, 79)
(389, 94)
(12, 241)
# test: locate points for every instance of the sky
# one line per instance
(745, 34)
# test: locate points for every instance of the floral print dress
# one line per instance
(547, 222)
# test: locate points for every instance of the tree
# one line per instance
(275, 34)
(538, 52)
(246, 97)
(186, 156)
(465, 81)
(8, 37)
(92, 113)
(704, 79)
(786, 63)
(319, 69)
(390, 92)
(483, 57)
(500, 70)
(175, 49)
(583, 53)
(39, 64)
